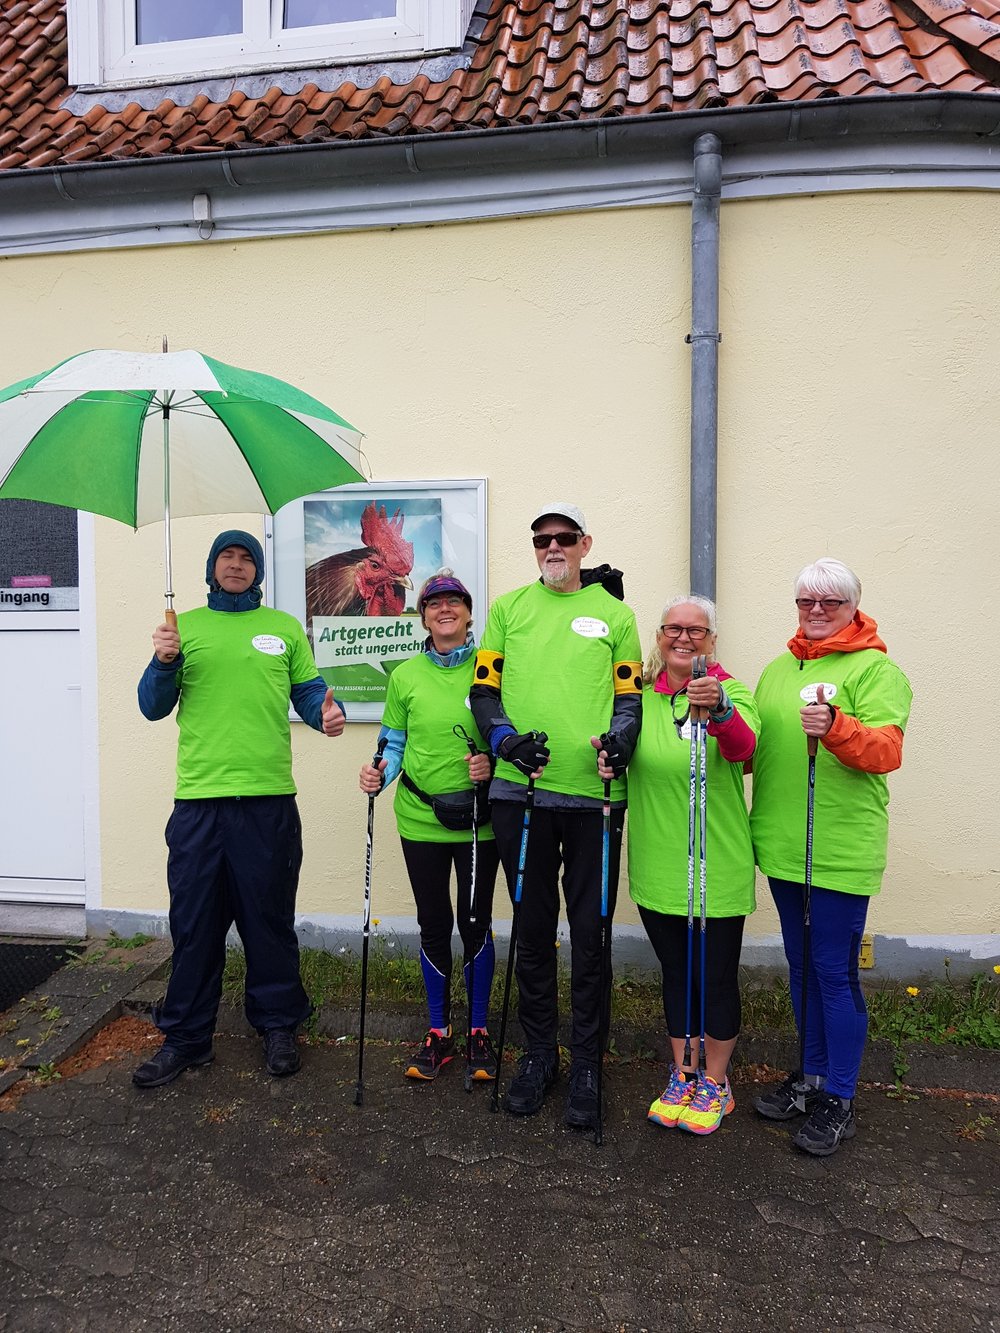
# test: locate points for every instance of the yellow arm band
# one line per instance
(628, 678)
(489, 665)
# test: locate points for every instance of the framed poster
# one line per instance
(349, 563)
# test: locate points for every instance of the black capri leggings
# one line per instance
(428, 865)
(723, 942)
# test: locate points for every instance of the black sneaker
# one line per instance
(166, 1065)
(536, 1072)
(788, 1099)
(581, 1100)
(281, 1054)
(482, 1057)
(830, 1122)
(432, 1056)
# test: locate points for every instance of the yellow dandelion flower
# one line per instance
(376, 921)
(996, 968)
(913, 990)
(558, 945)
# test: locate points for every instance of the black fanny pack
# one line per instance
(452, 809)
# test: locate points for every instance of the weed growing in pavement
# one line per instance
(978, 1128)
(136, 941)
(51, 1015)
(47, 1073)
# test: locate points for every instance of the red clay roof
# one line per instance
(535, 60)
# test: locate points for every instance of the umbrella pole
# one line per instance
(170, 614)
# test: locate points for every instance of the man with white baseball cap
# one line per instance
(558, 691)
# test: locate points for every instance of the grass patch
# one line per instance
(963, 1013)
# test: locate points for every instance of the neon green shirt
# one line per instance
(851, 808)
(659, 786)
(559, 653)
(238, 671)
(426, 700)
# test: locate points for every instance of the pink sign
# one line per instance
(31, 581)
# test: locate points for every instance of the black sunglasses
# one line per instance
(827, 603)
(541, 540)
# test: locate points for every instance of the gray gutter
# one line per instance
(704, 339)
(950, 140)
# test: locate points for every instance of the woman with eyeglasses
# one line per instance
(425, 718)
(659, 791)
(836, 684)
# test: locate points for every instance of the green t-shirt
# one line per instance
(235, 681)
(851, 808)
(559, 655)
(659, 787)
(426, 701)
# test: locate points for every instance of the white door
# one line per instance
(41, 737)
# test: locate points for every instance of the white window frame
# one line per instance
(103, 52)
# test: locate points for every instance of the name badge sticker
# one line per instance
(269, 644)
(590, 628)
(808, 692)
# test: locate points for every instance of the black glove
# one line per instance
(527, 753)
(618, 756)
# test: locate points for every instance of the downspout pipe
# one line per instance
(704, 339)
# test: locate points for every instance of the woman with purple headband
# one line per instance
(426, 712)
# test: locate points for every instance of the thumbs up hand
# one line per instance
(333, 717)
(817, 718)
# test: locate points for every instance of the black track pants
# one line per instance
(571, 839)
(232, 859)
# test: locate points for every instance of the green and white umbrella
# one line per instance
(141, 436)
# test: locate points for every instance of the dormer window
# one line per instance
(126, 43)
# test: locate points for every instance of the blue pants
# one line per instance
(836, 1014)
(232, 859)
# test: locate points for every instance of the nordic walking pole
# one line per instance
(359, 1091)
(812, 745)
(692, 809)
(699, 725)
(518, 889)
(605, 882)
(459, 730)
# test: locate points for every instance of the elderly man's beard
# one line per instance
(555, 577)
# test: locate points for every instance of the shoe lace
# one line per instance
(280, 1042)
(583, 1081)
(829, 1113)
(707, 1095)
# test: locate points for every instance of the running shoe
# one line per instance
(582, 1109)
(788, 1099)
(437, 1050)
(482, 1057)
(536, 1072)
(711, 1101)
(831, 1122)
(672, 1100)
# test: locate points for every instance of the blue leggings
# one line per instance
(836, 1015)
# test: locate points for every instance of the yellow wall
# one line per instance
(856, 419)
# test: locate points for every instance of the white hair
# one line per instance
(654, 658)
(830, 578)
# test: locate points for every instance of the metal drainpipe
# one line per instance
(704, 339)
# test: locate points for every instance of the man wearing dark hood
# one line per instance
(234, 839)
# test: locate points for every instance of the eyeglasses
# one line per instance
(452, 599)
(827, 603)
(542, 540)
(694, 632)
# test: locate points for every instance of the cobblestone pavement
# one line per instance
(230, 1200)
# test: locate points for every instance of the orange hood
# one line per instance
(861, 633)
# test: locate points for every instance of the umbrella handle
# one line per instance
(170, 618)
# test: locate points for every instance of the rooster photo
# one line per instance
(364, 561)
